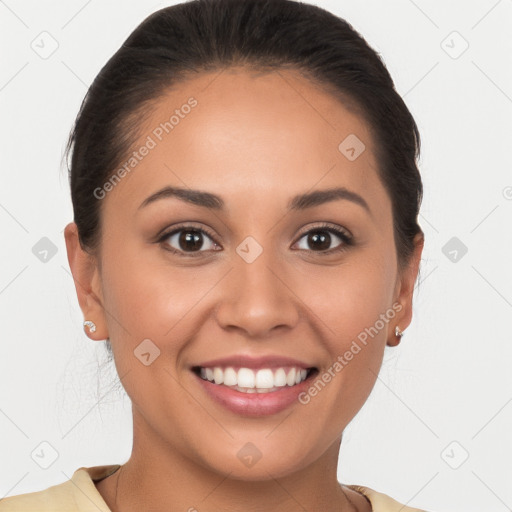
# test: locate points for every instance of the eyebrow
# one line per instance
(298, 202)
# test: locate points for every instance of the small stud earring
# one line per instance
(91, 325)
(398, 332)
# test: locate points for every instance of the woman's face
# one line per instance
(269, 286)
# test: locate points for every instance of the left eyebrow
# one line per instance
(317, 197)
(298, 202)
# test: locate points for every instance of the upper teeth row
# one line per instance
(261, 379)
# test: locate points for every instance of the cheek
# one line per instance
(354, 304)
(351, 297)
(147, 296)
(145, 300)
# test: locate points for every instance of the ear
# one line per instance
(86, 276)
(404, 290)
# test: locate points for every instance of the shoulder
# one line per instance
(78, 494)
(382, 502)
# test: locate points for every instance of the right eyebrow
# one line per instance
(197, 197)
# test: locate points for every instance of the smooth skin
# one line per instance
(255, 140)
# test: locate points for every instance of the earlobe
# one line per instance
(90, 325)
(84, 270)
(395, 340)
(405, 292)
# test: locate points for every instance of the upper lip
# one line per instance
(244, 361)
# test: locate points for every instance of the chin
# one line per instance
(249, 463)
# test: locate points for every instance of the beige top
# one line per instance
(80, 495)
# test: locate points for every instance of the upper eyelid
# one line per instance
(327, 226)
(185, 227)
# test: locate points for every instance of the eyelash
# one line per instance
(343, 235)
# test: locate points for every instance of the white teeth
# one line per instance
(230, 377)
(218, 375)
(280, 378)
(246, 378)
(249, 381)
(264, 379)
(290, 379)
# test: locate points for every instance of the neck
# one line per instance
(157, 477)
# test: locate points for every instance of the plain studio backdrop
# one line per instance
(435, 431)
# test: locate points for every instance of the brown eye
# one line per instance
(320, 240)
(188, 240)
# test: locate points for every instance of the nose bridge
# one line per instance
(257, 298)
(258, 278)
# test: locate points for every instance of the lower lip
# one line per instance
(254, 404)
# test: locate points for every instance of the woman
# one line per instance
(245, 239)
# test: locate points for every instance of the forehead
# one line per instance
(262, 135)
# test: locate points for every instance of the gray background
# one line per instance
(433, 433)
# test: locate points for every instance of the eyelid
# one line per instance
(327, 226)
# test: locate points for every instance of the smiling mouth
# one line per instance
(247, 380)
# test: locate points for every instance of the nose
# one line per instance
(258, 298)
